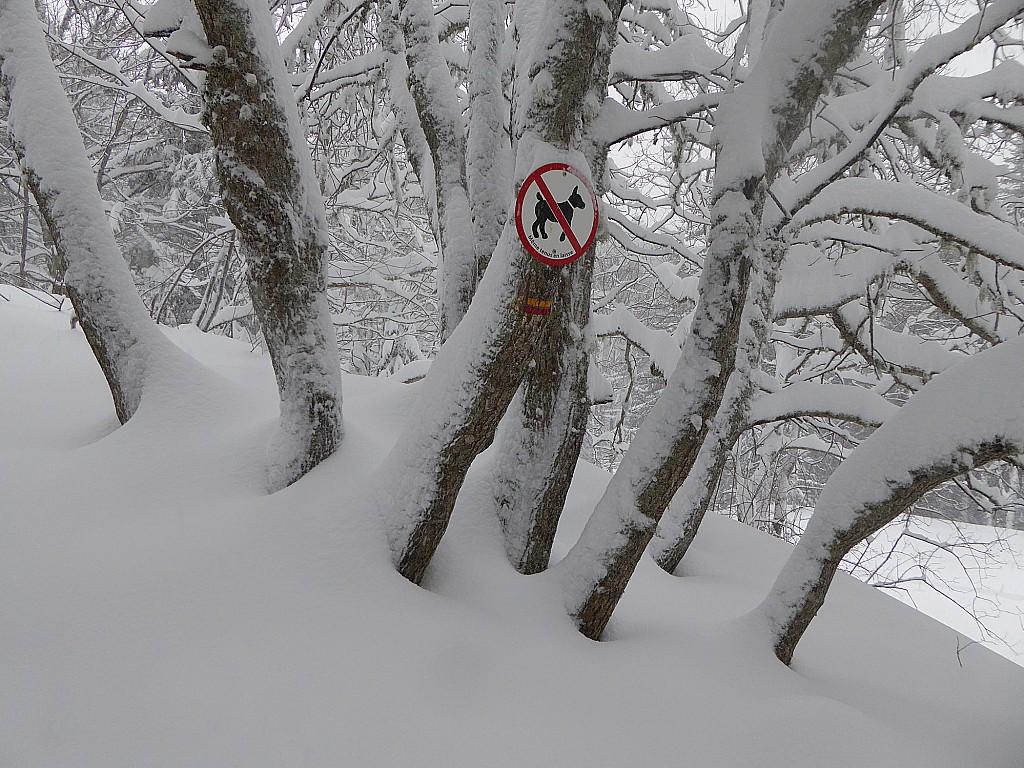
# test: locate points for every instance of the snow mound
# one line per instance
(159, 609)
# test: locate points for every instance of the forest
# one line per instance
(761, 259)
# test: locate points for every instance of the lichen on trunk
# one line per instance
(543, 431)
(272, 196)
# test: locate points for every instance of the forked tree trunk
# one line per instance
(471, 383)
(544, 429)
(272, 196)
(691, 502)
(479, 370)
(541, 437)
(683, 517)
(540, 447)
(754, 133)
(128, 346)
(599, 566)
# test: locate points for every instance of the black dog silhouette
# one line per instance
(543, 213)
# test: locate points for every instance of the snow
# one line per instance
(890, 92)
(661, 346)
(938, 214)
(316, 12)
(679, 288)
(973, 581)
(752, 119)
(160, 609)
(682, 59)
(965, 413)
(165, 17)
(810, 282)
(832, 400)
(618, 123)
(966, 406)
(599, 389)
(892, 349)
(44, 130)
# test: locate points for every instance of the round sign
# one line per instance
(556, 214)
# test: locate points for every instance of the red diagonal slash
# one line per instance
(562, 222)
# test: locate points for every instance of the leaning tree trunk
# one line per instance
(479, 369)
(754, 134)
(128, 346)
(471, 383)
(693, 499)
(964, 418)
(599, 566)
(799, 400)
(690, 504)
(272, 196)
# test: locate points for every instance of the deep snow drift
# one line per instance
(158, 609)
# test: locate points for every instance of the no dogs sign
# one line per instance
(556, 214)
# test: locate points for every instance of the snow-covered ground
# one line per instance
(157, 608)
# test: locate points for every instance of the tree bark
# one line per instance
(478, 371)
(691, 502)
(444, 130)
(127, 344)
(542, 435)
(272, 196)
(488, 146)
(544, 430)
(754, 135)
(682, 520)
(822, 547)
(469, 388)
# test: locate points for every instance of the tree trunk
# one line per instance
(470, 385)
(801, 587)
(543, 432)
(686, 511)
(479, 370)
(488, 145)
(681, 522)
(600, 565)
(964, 418)
(128, 346)
(272, 196)
(443, 127)
(754, 134)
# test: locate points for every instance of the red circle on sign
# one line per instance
(549, 209)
